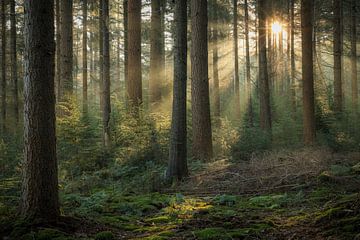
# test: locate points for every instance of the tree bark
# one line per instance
(338, 98)
(200, 103)
(236, 60)
(126, 48)
(84, 58)
(307, 71)
(354, 78)
(155, 53)
(14, 59)
(265, 111)
(40, 180)
(134, 55)
(215, 52)
(177, 167)
(292, 54)
(66, 46)
(58, 50)
(3, 66)
(248, 69)
(106, 110)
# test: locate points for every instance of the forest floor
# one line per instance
(307, 194)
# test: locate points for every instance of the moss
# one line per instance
(340, 170)
(51, 234)
(221, 233)
(269, 201)
(159, 219)
(211, 233)
(106, 235)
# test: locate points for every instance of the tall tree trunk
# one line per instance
(200, 103)
(265, 111)
(14, 59)
(236, 55)
(3, 66)
(162, 73)
(307, 71)
(66, 45)
(40, 180)
(126, 48)
(58, 50)
(338, 92)
(134, 55)
(155, 53)
(248, 69)
(354, 83)
(84, 58)
(101, 55)
(177, 167)
(215, 52)
(292, 54)
(106, 73)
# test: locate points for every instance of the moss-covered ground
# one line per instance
(326, 208)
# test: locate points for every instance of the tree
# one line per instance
(215, 52)
(248, 67)
(134, 86)
(265, 111)
(236, 55)
(155, 53)
(307, 71)
(66, 46)
(354, 84)
(338, 99)
(58, 50)
(200, 103)
(84, 60)
(292, 54)
(126, 48)
(14, 59)
(40, 181)
(106, 107)
(3, 66)
(177, 167)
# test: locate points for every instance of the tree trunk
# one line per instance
(338, 99)
(265, 111)
(178, 151)
(134, 55)
(3, 66)
(106, 110)
(14, 59)
(66, 46)
(200, 103)
(155, 53)
(101, 56)
(248, 69)
(215, 52)
(58, 50)
(236, 55)
(40, 180)
(292, 54)
(126, 48)
(84, 58)
(307, 71)
(354, 83)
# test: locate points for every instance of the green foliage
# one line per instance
(252, 140)
(106, 235)
(78, 141)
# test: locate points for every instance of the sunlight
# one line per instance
(276, 27)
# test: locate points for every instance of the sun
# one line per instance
(276, 27)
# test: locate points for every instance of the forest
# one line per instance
(181, 119)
